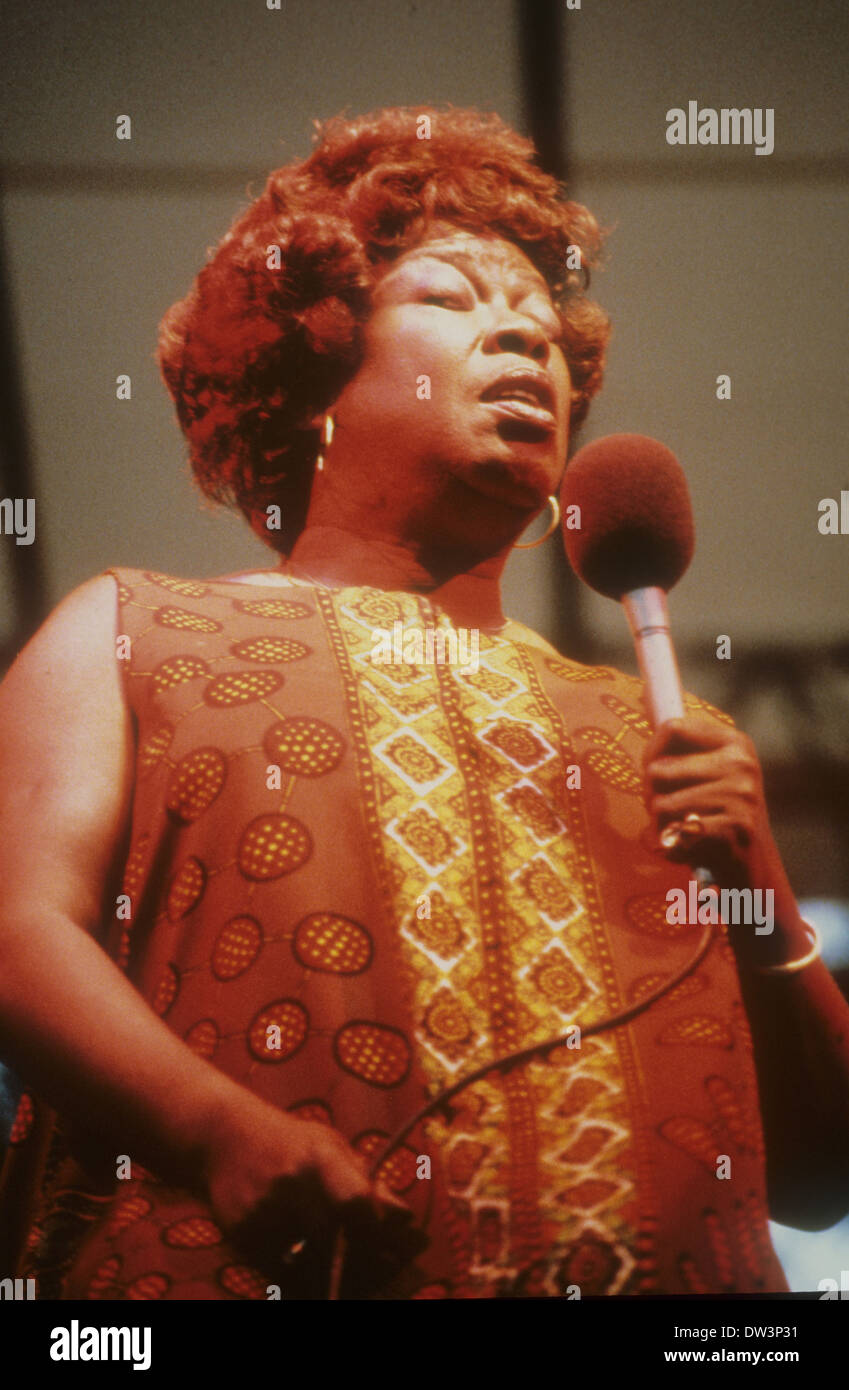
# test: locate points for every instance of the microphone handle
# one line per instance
(648, 618)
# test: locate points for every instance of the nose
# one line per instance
(515, 332)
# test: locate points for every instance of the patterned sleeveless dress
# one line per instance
(349, 884)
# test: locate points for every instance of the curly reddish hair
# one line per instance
(254, 354)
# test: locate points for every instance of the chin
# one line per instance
(516, 482)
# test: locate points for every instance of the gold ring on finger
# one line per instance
(693, 827)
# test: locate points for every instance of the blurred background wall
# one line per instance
(720, 261)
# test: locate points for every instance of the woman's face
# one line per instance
(462, 371)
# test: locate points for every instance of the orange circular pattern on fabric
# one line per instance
(154, 749)
(104, 1277)
(270, 649)
(374, 1052)
(331, 943)
(721, 1248)
(176, 670)
(730, 1107)
(187, 887)
(558, 980)
(370, 1143)
(399, 1170)
(693, 1136)
(639, 988)
(243, 1281)
(307, 747)
(632, 717)
(694, 984)
(547, 889)
(378, 609)
(189, 588)
(417, 762)
(24, 1116)
(237, 946)
(241, 688)
(131, 1209)
(185, 621)
(195, 783)
(149, 1287)
(272, 846)
(697, 1030)
(692, 702)
(571, 671)
(166, 991)
(192, 1233)
(316, 1110)
(272, 607)
(445, 1018)
(531, 806)
(517, 741)
(647, 913)
(293, 1021)
(203, 1038)
(614, 767)
(426, 836)
(441, 931)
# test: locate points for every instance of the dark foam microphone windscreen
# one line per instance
(636, 520)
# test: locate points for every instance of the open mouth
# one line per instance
(521, 419)
(525, 398)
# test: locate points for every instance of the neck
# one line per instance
(470, 595)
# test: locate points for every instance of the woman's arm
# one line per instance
(799, 1022)
(71, 1024)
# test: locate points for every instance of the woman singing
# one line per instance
(279, 867)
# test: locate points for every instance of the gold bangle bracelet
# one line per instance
(791, 966)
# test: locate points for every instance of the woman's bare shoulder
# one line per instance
(79, 630)
(67, 674)
(66, 756)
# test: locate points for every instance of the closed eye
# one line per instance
(447, 297)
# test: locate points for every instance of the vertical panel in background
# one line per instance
(22, 587)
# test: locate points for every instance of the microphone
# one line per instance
(635, 541)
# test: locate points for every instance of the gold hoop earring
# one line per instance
(326, 440)
(552, 526)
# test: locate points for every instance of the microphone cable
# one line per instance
(505, 1064)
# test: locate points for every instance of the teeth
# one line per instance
(524, 396)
